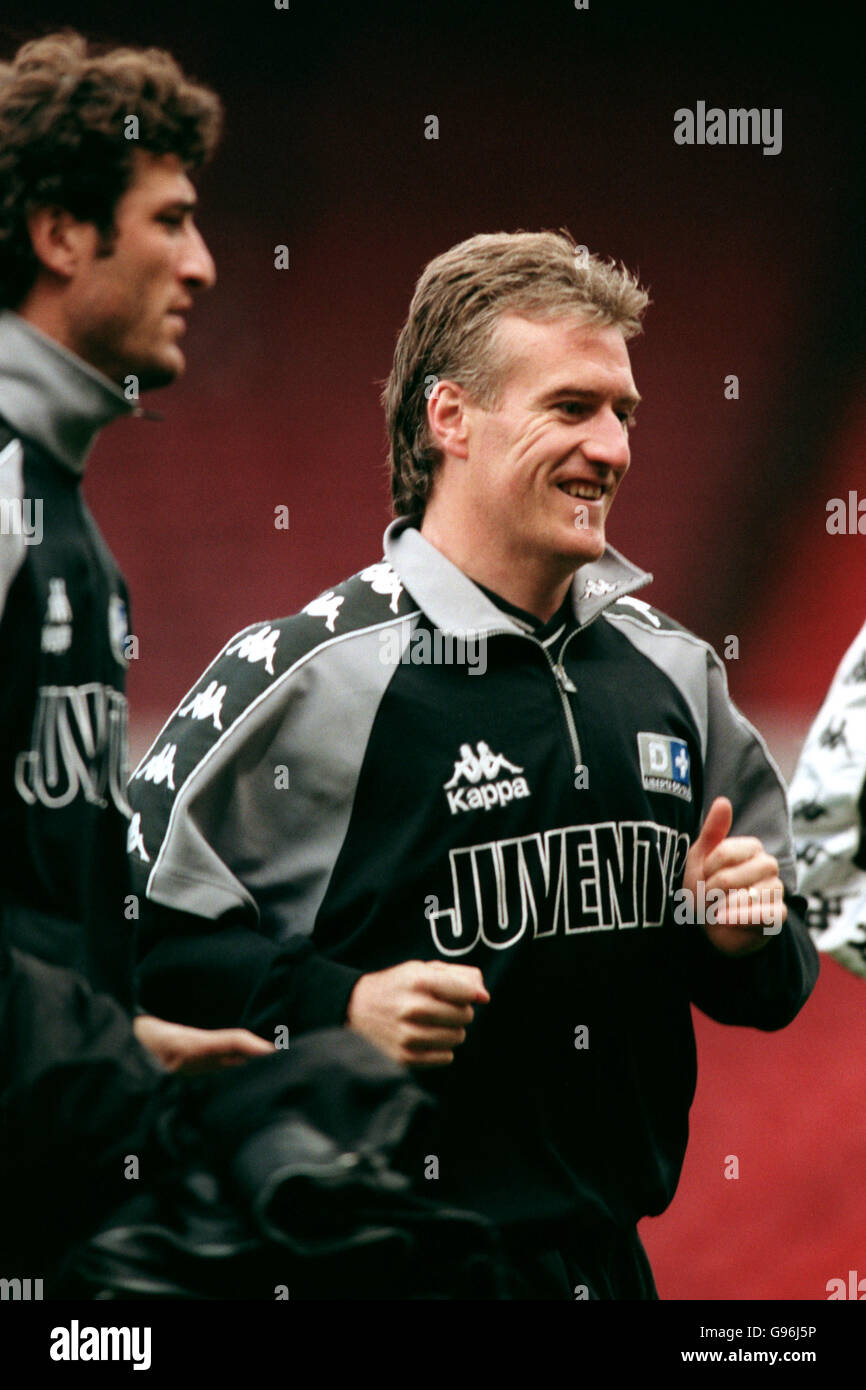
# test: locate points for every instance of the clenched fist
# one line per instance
(753, 909)
(417, 1012)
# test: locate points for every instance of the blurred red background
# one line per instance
(548, 116)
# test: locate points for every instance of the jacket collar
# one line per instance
(456, 605)
(51, 396)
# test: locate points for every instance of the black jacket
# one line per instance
(64, 886)
(347, 789)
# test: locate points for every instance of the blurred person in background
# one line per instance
(828, 808)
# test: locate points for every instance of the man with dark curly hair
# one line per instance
(100, 259)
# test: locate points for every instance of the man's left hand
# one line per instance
(753, 909)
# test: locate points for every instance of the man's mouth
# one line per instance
(588, 492)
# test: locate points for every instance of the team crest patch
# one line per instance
(665, 765)
(118, 629)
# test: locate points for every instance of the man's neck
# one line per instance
(523, 583)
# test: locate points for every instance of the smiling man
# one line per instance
(523, 490)
(500, 882)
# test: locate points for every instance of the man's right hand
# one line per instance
(417, 1012)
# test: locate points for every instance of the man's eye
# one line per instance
(172, 219)
(573, 407)
(627, 420)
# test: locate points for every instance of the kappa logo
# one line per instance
(383, 580)
(483, 766)
(326, 606)
(206, 704)
(159, 768)
(257, 646)
(596, 588)
(57, 629)
(135, 839)
(665, 765)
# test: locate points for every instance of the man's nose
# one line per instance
(608, 442)
(198, 268)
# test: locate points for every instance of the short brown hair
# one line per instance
(63, 122)
(449, 333)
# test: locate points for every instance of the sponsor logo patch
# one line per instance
(665, 765)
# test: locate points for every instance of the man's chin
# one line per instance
(585, 549)
(157, 374)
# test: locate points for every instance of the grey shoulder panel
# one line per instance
(737, 761)
(245, 797)
(673, 649)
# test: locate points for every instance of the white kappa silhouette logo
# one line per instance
(596, 588)
(383, 580)
(135, 839)
(57, 623)
(59, 607)
(326, 606)
(257, 646)
(206, 704)
(159, 768)
(484, 763)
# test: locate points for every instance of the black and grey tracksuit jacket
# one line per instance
(63, 657)
(336, 796)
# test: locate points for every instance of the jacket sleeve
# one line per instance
(767, 989)
(828, 800)
(235, 828)
(77, 1096)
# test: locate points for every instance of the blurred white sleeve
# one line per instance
(828, 807)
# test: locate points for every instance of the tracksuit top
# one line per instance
(828, 805)
(63, 628)
(347, 789)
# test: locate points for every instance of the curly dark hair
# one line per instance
(64, 110)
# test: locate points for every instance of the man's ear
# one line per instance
(448, 413)
(59, 240)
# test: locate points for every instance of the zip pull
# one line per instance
(564, 681)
